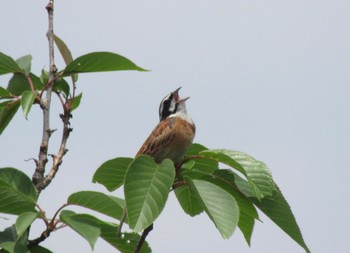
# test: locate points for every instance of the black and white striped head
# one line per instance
(171, 104)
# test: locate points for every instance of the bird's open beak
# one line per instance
(183, 100)
(176, 94)
(177, 97)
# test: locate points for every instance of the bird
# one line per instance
(175, 132)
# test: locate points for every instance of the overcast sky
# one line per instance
(270, 78)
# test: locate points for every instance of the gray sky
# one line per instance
(269, 78)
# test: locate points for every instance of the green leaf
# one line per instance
(111, 173)
(25, 63)
(100, 202)
(85, 225)
(9, 234)
(199, 164)
(64, 50)
(8, 65)
(24, 220)
(44, 77)
(4, 93)
(189, 199)
(244, 186)
(195, 149)
(220, 206)
(4, 104)
(10, 242)
(7, 113)
(205, 165)
(126, 243)
(247, 212)
(14, 247)
(186, 194)
(39, 249)
(19, 83)
(98, 62)
(279, 211)
(62, 85)
(256, 172)
(17, 192)
(76, 101)
(146, 190)
(27, 101)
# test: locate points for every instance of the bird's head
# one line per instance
(172, 104)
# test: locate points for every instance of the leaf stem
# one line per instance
(189, 158)
(30, 81)
(122, 220)
(58, 210)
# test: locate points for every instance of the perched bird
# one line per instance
(175, 132)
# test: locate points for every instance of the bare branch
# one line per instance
(58, 158)
(38, 176)
(41, 238)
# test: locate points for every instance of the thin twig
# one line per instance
(189, 158)
(32, 159)
(43, 215)
(122, 220)
(143, 238)
(45, 103)
(61, 99)
(50, 227)
(12, 102)
(59, 210)
(49, 83)
(60, 226)
(179, 183)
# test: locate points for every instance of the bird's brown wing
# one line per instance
(160, 137)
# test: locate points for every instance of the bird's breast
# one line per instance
(182, 135)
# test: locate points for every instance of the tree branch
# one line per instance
(57, 159)
(50, 227)
(38, 176)
(143, 238)
(41, 238)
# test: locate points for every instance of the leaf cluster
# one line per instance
(229, 196)
(25, 88)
